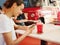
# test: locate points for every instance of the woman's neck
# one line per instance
(8, 13)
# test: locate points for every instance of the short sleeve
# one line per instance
(5, 25)
(21, 16)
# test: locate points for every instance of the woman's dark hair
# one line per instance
(9, 3)
(0, 8)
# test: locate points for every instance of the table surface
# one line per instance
(50, 33)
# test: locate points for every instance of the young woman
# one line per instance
(7, 33)
(22, 17)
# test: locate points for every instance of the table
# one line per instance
(50, 33)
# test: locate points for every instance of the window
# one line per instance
(31, 3)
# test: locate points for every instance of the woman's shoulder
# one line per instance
(3, 17)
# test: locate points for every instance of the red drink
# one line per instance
(39, 28)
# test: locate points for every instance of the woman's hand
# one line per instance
(30, 29)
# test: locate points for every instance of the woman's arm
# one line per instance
(19, 21)
(8, 37)
(26, 16)
(20, 27)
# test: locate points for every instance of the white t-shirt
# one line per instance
(6, 25)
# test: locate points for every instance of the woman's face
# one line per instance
(22, 6)
(17, 10)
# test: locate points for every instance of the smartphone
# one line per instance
(32, 26)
